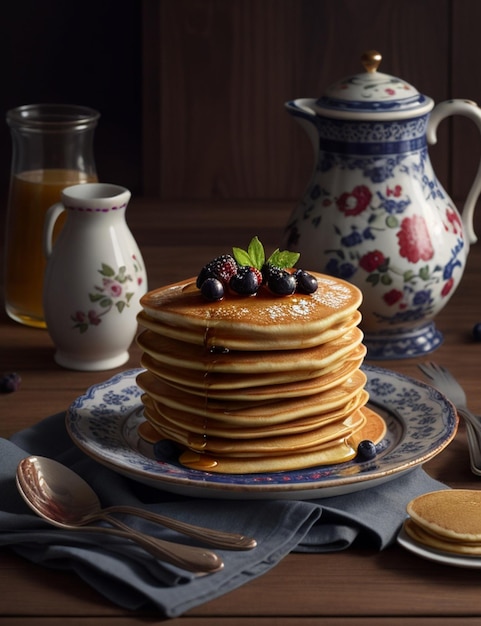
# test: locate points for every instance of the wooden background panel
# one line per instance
(466, 83)
(217, 74)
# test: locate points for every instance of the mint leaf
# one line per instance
(254, 256)
(283, 258)
(256, 253)
(241, 256)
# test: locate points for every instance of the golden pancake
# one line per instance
(337, 453)
(207, 382)
(439, 542)
(263, 322)
(160, 416)
(374, 429)
(178, 354)
(255, 384)
(285, 389)
(148, 432)
(208, 443)
(454, 514)
(350, 392)
(155, 411)
(199, 335)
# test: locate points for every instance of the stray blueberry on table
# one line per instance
(10, 382)
(366, 450)
(477, 332)
(212, 289)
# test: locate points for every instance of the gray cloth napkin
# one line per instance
(131, 578)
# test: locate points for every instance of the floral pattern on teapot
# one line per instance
(374, 233)
(374, 212)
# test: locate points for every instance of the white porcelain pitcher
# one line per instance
(374, 212)
(94, 278)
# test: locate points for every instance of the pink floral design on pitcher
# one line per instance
(414, 241)
(113, 293)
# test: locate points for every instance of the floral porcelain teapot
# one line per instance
(374, 212)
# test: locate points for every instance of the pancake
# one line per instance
(295, 383)
(160, 415)
(259, 383)
(439, 542)
(339, 452)
(208, 442)
(257, 323)
(240, 342)
(348, 394)
(292, 389)
(454, 514)
(179, 354)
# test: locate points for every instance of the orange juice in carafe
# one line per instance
(31, 194)
(52, 148)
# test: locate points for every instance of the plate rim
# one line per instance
(436, 556)
(306, 490)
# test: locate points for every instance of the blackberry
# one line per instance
(222, 267)
(246, 282)
(366, 450)
(280, 282)
(306, 283)
(10, 382)
(212, 289)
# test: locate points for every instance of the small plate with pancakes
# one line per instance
(419, 423)
(445, 527)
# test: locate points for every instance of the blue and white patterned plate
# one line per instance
(420, 424)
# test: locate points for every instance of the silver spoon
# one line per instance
(65, 500)
(71, 482)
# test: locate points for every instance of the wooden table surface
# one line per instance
(355, 587)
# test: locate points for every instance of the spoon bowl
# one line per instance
(86, 504)
(64, 499)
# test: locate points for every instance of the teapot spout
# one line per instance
(304, 112)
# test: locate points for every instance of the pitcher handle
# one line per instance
(470, 109)
(51, 217)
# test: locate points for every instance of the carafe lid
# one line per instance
(372, 95)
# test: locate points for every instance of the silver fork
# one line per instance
(445, 382)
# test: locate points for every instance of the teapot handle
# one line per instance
(470, 109)
(50, 219)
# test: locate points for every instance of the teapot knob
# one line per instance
(371, 60)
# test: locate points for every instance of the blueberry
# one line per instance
(281, 283)
(212, 289)
(477, 332)
(306, 283)
(10, 382)
(366, 450)
(245, 282)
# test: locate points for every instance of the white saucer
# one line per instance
(438, 556)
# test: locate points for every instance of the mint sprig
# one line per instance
(255, 256)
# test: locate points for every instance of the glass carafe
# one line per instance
(52, 148)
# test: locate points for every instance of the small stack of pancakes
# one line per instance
(448, 520)
(255, 384)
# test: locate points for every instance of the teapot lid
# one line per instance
(372, 95)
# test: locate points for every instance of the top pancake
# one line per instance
(453, 514)
(261, 322)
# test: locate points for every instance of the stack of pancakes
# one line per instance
(447, 520)
(255, 384)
